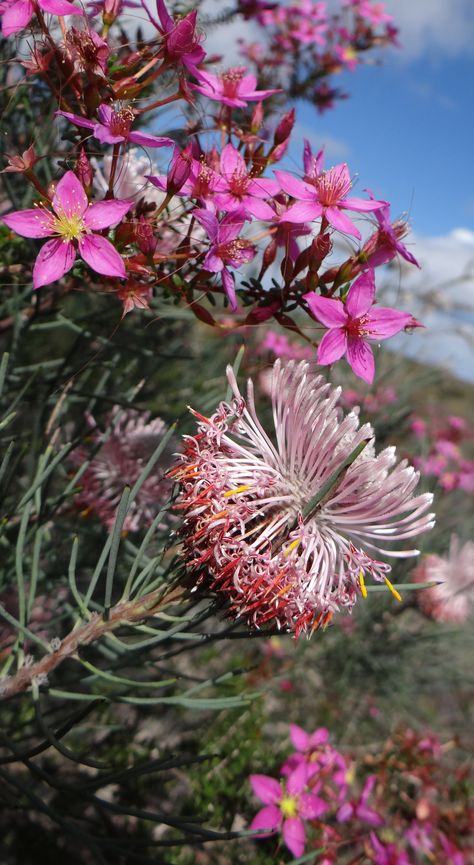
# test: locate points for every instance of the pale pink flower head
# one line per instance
(351, 323)
(72, 223)
(324, 195)
(287, 527)
(129, 440)
(17, 14)
(453, 599)
(233, 87)
(286, 807)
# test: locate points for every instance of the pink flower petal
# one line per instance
(332, 346)
(229, 288)
(294, 835)
(384, 322)
(268, 818)
(104, 113)
(76, 119)
(361, 358)
(208, 221)
(303, 211)
(345, 812)
(361, 204)
(16, 17)
(70, 197)
(36, 222)
(296, 188)
(99, 254)
(59, 7)
(267, 789)
(232, 161)
(296, 781)
(361, 295)
(341, 221)
(319, 737)
(213, 262)
(54, 259)
(263, 187)
(104, 134)
(299, 737)
(103, 214)
(258, 208)
(329, 311)
(311, 806)
(146, 140)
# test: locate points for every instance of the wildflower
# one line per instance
(201, 183)
(22, 163)
(286, 806)
(352, 322)
(387, 854)
(384, 245)
(134, 295)
(359, 810)
(181, 41)
(453, 599)
(88, 51)
(17, 14)
(325, 196)
(285, 530)
(226, 247)
(241, 190)
(233, 87)
(73, 220)
(114, 127)
(122, 452)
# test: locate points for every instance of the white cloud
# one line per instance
(445, 26)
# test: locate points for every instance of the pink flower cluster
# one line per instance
(221, 205)
(327, 801)
(443, 456)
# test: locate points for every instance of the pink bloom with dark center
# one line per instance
(241, 190)
(17, 14)
(286, 807)
(181, 41)
(233, 88)
(226, 247)
(114, 127)
(201, 183)
(325, 195)
(72, 223)
(352, 323)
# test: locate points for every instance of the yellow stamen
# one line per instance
(393, 590)
(362, 585)
(241, 489)
(292, 546)
(289, 806)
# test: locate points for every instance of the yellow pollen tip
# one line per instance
(362, 585)
(241, 489)
(290, 547)
(289, 806)
(393, 590)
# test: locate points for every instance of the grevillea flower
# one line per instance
(17, 14)
(72, 221)
(353, 322)
(115, 126)
(122, 452)
(325, 195)
(286, 806)
(233, 88)
(453, 599)
(287, 529)
(181, 41)
(226, 247)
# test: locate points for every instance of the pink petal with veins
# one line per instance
(267, 818)
(70, 197)
(361, 204)
(146, 140)
(294, 187)
(361, 295)
(385, 322)
(35, 222)
(54, 259)
(327, 310)
(299, 737)
(332, 346)
(76, 118)
(99, 254)
(59, 7)
(341, 221)
(361, 358)
(16, 17)
(103, 214)
(303, 211)
(294, 835)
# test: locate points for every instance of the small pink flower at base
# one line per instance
(249, 530)
(352, 323)
(123, 451)
(72, 221)
(17, 14)
(233, 88)
(325, 195)
(286, 807)
(134, 295)
(226, 247)
(114, 127)
(453, 599)
(22, 163)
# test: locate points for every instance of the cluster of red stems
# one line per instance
(220, 205)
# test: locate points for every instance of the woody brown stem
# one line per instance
(85, 633)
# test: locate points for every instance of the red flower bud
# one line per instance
(180, 169)
(284, 128)
(83, 170)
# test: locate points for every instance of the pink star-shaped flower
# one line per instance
(17, 14)
(233, 88)
(72, 223)
(113, 127)
(352, 323)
